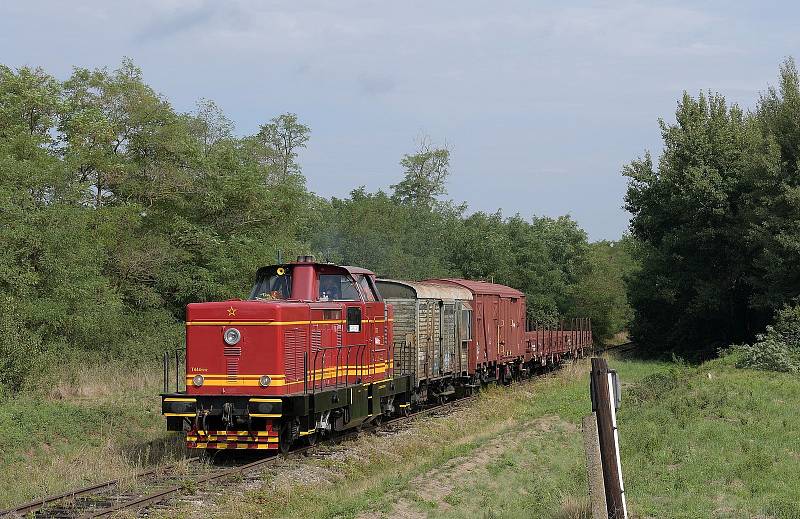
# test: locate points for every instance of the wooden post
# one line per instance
(594, 467)
(603, 406)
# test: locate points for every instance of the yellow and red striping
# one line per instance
(231, 445)
(232, 439)
(326, 376)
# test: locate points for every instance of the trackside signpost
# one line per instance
(601, 441)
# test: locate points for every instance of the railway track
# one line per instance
(625, 347)
(65, 504)
(160, 484)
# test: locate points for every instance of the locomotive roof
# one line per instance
(350, 269)
(358, 270)
(431, 289)
(483, 287)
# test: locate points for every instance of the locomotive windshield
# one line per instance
(273, 284)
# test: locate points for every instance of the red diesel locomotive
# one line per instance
(318, 348)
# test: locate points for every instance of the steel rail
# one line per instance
(35, 505)
(160, 495)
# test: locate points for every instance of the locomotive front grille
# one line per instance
(232, 351)
(232, 354)
(232, 369)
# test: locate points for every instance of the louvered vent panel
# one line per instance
(294, 343)
(316, 340)
(232, 369)
(232, 351)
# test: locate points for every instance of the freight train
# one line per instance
(319, 348)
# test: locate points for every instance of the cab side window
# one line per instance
(337, 287)
(354, 319)
(366, 288)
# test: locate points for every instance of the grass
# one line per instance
(92, 424)
(706, 441)
(714, 441)
(517, 452)
(709, 441)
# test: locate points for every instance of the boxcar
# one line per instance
(432, 333)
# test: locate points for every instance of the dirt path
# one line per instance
(432, 488)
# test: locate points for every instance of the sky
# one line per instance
(540, 103)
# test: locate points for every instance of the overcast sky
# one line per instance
(541, 102)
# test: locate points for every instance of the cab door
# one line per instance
(375, 331)
(355, 346)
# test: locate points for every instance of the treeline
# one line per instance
(116, 211)
(717, 219)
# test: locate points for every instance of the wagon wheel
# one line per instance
(311, 439)
(285, 438)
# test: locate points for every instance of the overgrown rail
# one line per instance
(92, 490)
(625, 347)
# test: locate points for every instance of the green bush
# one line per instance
(654, 386)
(778, 349)
(19, 347)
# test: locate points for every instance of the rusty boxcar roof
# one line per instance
(482, 287)
(429, 289)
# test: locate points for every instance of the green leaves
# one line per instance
(717, 219)
(425, 173)
(116, 211)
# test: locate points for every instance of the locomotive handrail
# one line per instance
(359, 354)
(373, 351)
(167, 361)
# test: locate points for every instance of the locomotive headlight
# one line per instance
(197, 380)
(232, 336)
(264, 381)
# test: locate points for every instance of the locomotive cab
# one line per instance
(310, 351)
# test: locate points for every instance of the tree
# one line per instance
(282, 137)
(717, 221)
(692, 289)
(425, 173)
(601, 291)
(112, 123)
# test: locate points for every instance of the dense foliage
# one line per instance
(778, 348)
(116, 211)
(718, 221)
